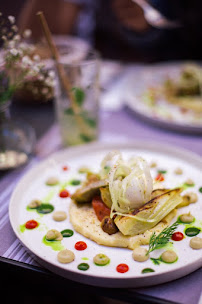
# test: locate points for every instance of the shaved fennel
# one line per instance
(130, 184)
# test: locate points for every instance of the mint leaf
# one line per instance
(79, 96)
(91, 122)
(85, 137)
(69, 111)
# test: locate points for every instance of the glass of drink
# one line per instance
(76, 98)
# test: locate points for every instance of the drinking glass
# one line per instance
(77, 97)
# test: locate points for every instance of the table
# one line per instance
(20, 269)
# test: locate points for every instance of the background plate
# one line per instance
(33, 186)
(163, 114)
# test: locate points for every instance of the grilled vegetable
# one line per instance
(86, 193)
(149, 214)
(108, 225)
(101, 210)
(157, 192)
(106, 196)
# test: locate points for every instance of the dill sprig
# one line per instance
(160, 240)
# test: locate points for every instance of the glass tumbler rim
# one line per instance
(83, 61)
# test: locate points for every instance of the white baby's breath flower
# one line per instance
(16, 38)
(14, 28)
(35, 69)
(14, 52)
(11, 44)
(11, 19)
(23, 46)
(27, 33)
(36, 58)
(41, 77)
(4, 38)
(51, 74)
(27, 61)
(31, 48)
(50, 82)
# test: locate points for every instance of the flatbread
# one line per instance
(85, 222)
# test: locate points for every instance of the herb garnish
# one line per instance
(160, 240)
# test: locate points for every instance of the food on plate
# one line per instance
(186, 90)
(192, 231)
(188, 198)
(196, 243)
(34, 204)
(189, 182)
(65, 256)
(140, 254)
(108, 225)
(53, 235)
(59, 216)
(52, 181)
(178, 171)
(101, 259)
(121, 205)
(169, 256)
(186, 218)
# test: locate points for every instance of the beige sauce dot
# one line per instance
(34, 204)
(169, 256)
(153, 164)
(59, 216)
(52, 181)
(178, 171)
(190, 197)
(189, 181)
(65, 256)
(186, 218)
(54, 235)
(196, 243)
(139, 254)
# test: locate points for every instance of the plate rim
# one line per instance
(92, 279)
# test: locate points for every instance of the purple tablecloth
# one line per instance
(114, 126)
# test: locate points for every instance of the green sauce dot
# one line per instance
(45, 208)
(147, 270)
(83, 266)
(67, 233)
(185, 185)
(55, 245)
(192, 231)
(75, 182)
(22, 228)
(162, 171)
(200, 189)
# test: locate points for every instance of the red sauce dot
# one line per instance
(159, 177)
(31, 224)
(177, 236)
(65, 168)
(80, 245)
(64, 193)
(122, 268)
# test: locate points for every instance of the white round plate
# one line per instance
(162, 113)
(33, 186)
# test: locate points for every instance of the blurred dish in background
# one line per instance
(167, 95)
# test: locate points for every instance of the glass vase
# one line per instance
(17, 140)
